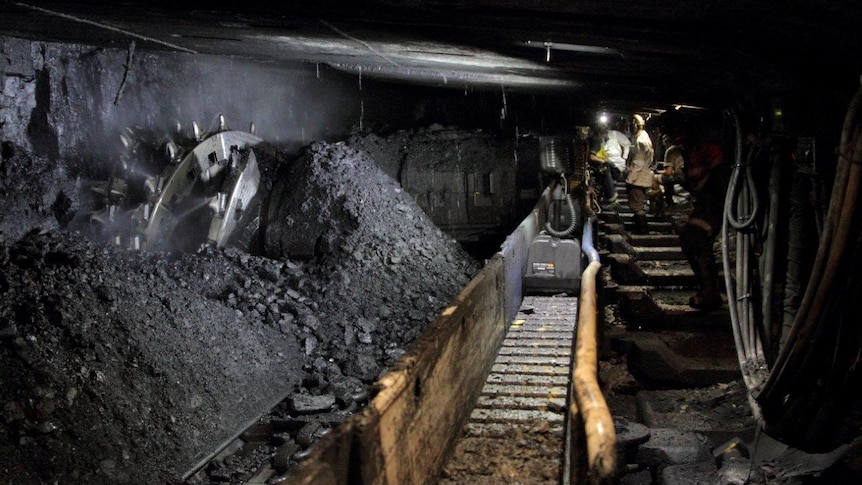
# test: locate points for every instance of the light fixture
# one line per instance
(678, 107)
(563, 46)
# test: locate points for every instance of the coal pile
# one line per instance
(385, 269)
(35, 191)
(127, 367)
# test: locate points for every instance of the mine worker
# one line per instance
(617, 146)
(599, 161)
(704, 175)
(639, 175)
(670, 172)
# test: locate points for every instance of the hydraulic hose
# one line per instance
(830, 254)
(767, 267)
(793, 273)
(744, 336)
(587, 243)
(590, 402)
(574, 218)
(741, 186)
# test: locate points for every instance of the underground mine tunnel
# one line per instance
(286, 244)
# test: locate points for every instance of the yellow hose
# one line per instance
(601, 438)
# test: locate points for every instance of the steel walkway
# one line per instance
(516, 432)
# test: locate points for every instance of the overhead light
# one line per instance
(563, 46)
(687, 106)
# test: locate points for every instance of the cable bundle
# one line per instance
(814, 384)
(742, 212)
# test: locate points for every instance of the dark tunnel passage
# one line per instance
(217, 221)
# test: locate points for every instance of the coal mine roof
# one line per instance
(628, 53)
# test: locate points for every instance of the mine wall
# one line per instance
(70, 104)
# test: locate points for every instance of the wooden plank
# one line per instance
(406, 431)
(659, 253)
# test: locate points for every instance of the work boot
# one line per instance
(641, 225)
(656, 202)
(611, 204)
(668, 200)
(656, 207)
(613, 207)
(697, 246)
(706, 300)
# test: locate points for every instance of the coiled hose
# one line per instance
(573, 213)
(740, 212)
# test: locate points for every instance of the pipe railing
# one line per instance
(590, 406)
